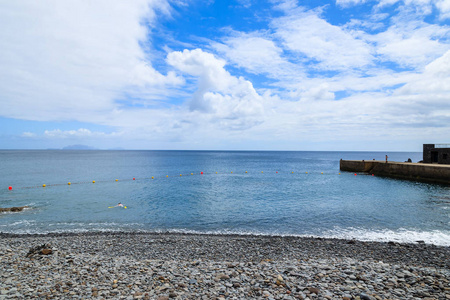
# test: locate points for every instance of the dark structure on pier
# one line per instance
(436, 154)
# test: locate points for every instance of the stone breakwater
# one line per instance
(182, 266)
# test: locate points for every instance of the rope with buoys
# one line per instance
(167, 176)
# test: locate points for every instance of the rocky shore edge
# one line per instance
(163, 266)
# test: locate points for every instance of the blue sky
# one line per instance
(231, 75)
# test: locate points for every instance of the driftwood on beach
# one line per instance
(12, 209)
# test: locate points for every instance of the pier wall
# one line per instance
(410, 171)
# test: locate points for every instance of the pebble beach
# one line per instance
(188, 266)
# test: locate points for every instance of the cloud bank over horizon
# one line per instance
(243, 75)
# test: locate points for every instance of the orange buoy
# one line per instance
(44, 185)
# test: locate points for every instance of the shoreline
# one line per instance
(135, 265)
(293, 245)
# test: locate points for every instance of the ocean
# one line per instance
(218, 192)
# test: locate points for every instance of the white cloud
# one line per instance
(433, 84)
(231, 100)
(254, 53)
(444, 9)
(73, 59)
(80, 133)
(346, 3)
(315, 39)
(28, 134)
(321, 82)
(411, 44)
(424, 7)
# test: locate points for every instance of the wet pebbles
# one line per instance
(183, 266)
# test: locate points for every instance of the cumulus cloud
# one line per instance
(299, 78)
(73, 59)
(232, 100)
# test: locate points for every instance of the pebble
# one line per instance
(182, 266)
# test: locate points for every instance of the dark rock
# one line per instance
(12, 209)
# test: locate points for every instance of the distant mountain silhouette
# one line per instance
(78, 147)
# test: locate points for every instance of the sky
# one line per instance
(344, 75)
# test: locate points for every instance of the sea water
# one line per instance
(239, 192)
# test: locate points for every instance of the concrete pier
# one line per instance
(433, 173)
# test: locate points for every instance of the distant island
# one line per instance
(78, 147)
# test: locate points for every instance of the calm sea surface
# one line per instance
(270, 193)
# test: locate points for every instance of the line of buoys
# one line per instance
(153, 177)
